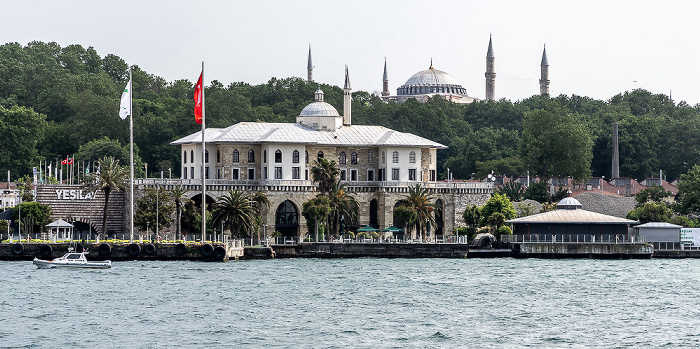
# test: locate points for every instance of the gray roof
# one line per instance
(347, 79)
(489, 53)
(544, 57)
(431, 77)
(657, 225)
(319, 109)
(355, 135)
(59, 224)
(386, 76)
(572, 216)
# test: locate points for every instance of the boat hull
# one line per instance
(43, 264)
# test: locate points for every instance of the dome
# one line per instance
(569, 204)
(430, 81)
(431, 77)
(319, 107)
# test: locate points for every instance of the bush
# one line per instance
(503, 230)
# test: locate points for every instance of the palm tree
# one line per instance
(236, 211)
(325, 172)
(418, 199)
(177, 194)
(342, 204)
(262, 203)
(109, 177)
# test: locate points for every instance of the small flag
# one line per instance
(198, 99)
(87, 170)
(67, 161)
(125, 105)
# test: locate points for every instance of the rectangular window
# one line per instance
(251, 173)
(306, 175)
(353, 175)
(411, 174)
(370, 175)
(192, 172)
(394, 174)
(278, 172)
(342, 175)
(265, 172)
(234, 173)
(432, 175)
(218, 173)
(295, 172)
(184, 172)
(206, 172)
(382, 174)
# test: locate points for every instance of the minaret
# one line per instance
(490, 74)
(615, 154)
(309, 68)
(347, 100)
(544, 69)
(385, 81)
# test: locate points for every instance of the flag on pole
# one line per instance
(125, 105)
(67, 161)
(198, 98)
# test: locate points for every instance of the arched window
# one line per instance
(353, 158)
(218, 156)
(320, 155)
(251, 155)
(191, 155)
(341, 158)
(395, 157)
(265, 156)
(184, 156)
(206, 156)
(370, 157)
(295, 156)
(236, 157)
(412, 157)
(278, 156)
(307, 156)
(383, 158)
(286, 214)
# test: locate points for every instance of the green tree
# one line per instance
(684, 221)
(236, 211)
(405, 217)
(555, 144)
(512, 190)
(316, 210)
(154, 207)
(262, 203)
(654, 193)
(26, 188)
(343, 205)
(325, 172)
(35, 216)
(111, 176)
(420, 201)
(537, 191)
(497, 203)
(472, 216)
(688, 197)
(651, 212)
(105, 147)
(179, 198)
(22, 129)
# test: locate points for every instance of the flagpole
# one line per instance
(204, 185)
(131, 155)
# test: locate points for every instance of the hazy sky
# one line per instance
(595, 48)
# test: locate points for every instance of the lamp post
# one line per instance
(602, 180)
(145, 166)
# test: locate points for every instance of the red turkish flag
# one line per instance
(198, 99)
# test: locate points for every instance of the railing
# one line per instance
(674, 246)
(575, 239)
(289, 240)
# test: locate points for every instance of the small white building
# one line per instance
(659, 232)
(9, 198)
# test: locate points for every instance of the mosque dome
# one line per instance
(319, 107)
(569, 203)
(431, 80)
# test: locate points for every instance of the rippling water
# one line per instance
(363, 303)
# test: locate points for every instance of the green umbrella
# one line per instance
(367, 228)
(393, 229)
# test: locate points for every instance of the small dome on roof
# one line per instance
(319, 107)
(569, 204)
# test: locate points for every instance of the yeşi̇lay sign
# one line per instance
(690, 235)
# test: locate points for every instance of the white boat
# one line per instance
(72, 260)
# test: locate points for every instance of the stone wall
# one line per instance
(611, 205)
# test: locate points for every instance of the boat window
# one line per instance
(74, 256)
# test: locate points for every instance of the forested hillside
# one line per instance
(53, 100)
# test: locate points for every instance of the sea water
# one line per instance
(354, 303)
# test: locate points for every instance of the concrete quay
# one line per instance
(142, 251)
(583, 250)
(382, 250)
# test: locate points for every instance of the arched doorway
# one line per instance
(399, 222)
(191, 214)
(287, 219)
(439, 218)
(373, 214)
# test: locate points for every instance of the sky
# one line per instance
(595, 48)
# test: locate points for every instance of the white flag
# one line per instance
(125, 106)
